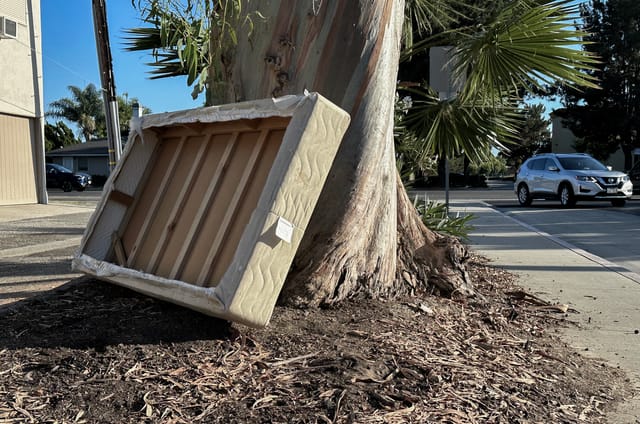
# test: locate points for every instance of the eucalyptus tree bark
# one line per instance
(365, 237)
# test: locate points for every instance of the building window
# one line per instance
(83, 164)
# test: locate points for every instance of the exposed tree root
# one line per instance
(426, 262)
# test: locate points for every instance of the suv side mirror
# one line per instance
(610, 168)
(553, 169)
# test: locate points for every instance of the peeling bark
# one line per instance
(364, 237)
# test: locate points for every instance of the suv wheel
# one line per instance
(524, 197)
(66, 186)
(618, 202)
(567, 199)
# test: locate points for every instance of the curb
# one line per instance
(620, 270)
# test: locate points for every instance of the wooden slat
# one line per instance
(122, 198)
(204, 208)
(230, 127)
(231, 210)
(152, 210)
(253, 124)
(179, 205)
(118, 249)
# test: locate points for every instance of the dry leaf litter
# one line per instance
(96, 353)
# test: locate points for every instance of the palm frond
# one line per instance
(451, 127)
(525, 46)
(423, 17)
(142, 39)
(177, 39)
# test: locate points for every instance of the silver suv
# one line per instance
(570, 177)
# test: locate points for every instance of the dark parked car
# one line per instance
(60, 177)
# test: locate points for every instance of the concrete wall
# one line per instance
(98, 166)
(21, 110)
(562, 141)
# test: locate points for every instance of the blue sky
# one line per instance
(69, 56)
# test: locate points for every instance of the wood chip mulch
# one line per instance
(96, 353)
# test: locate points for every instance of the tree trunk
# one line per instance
(364, 237)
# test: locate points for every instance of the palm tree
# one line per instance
(525, 45)
(84, 108)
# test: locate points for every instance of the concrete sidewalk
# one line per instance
(606, 296)
(37, 243)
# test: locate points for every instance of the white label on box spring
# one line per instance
(284, 229)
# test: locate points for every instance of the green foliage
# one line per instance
(424, 17)
(434, 215)
(528, 44)
(84, 108)
(58, 135)
(525, 44)
(492, 166)
(534, 136)
(410, 160)
(455, 126)
(607, 119)
(189, 37)
(178, 38)
(125, 112)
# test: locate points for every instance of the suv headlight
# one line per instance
(585, 178)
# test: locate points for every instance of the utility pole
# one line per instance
(108, 83)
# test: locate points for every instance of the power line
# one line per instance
(54, 61)
(17, 106)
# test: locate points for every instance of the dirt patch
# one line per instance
(93, 352)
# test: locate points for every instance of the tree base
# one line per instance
(426, 262)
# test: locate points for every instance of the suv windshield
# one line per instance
(581, 164)
(59, 168)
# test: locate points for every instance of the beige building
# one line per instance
(22, 178)
(563, 141)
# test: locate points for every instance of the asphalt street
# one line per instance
(596, 228)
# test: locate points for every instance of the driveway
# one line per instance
(37, 243)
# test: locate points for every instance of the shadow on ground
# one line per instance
(43, 268)
(87, 313)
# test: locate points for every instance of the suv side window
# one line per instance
(537, 164)
(550, 163)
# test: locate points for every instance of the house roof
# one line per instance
(560, 112)
(98, 147)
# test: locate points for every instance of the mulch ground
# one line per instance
(97, 353)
